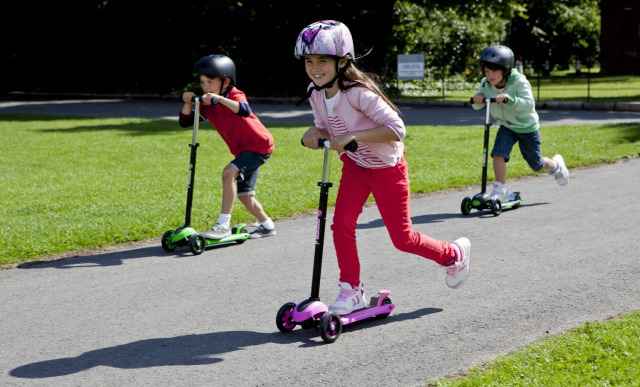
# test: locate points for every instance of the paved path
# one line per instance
(140, 317)
(273, 114)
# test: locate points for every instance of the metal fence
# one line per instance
(585, 86)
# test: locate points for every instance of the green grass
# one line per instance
(69, 184)
(559, 88)
(594, 354)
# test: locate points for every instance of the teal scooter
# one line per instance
(482, 200)
(186, 235)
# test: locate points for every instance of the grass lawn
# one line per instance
(561, 88)
(594, 354)
(68, 184)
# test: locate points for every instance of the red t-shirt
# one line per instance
(242, 134)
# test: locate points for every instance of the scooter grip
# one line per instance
(493, 99)
(351, 146)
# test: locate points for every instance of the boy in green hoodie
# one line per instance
(515, 112)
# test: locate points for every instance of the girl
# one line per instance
(516, 114)
(347, 105)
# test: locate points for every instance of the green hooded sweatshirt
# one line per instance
(519, 113)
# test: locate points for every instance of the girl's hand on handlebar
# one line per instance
(312, 135)
(338, 142)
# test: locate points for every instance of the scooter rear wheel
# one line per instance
(496, 207)
(330, 327)
(197, 244)
(386, 301)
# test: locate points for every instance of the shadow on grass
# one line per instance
(9, 117)
(630, 131)
(186, 350)
(154, 127)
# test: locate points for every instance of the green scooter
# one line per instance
(186, 235)
(482, 200)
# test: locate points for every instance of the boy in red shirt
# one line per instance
(227, 110)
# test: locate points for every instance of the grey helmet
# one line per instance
(498, 56)
(216, 66)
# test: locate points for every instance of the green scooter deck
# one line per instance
(239, 235)
(198, 242)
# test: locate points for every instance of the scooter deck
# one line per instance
(481, 202)
(239, 234)
(367, 313)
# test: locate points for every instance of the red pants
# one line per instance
(390, 188)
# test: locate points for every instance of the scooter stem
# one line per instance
(485, 146)
(324, 185)
(192, 163)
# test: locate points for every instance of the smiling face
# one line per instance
(321, 69)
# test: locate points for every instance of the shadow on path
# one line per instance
(184, 350)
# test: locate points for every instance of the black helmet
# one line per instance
(216, 66)
(498, 56)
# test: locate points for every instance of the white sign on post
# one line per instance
(410, 67)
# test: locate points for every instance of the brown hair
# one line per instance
(358, 78)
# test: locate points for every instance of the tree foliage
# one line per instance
(116, 46)
(452, 33)
(557, 31)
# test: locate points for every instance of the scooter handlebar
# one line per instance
(493, 99)
(351, 146)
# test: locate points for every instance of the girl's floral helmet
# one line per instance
(326, 37)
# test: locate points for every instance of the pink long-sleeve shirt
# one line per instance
(358, 109)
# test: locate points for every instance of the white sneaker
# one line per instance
(218, 231)
(349, 299)
(561, 173)
(458, 272)
(501, 192)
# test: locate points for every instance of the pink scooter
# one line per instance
(312, 312)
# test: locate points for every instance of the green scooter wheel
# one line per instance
(167, 245)
(465, 206)
(197, 244)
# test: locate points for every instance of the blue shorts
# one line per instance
(529, 146)
(248, 164)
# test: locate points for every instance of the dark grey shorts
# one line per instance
(529, 146)
(248, 164)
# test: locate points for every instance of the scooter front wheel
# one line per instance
(166, 243)
(284, 318)
(465, 206)
(330, 327)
